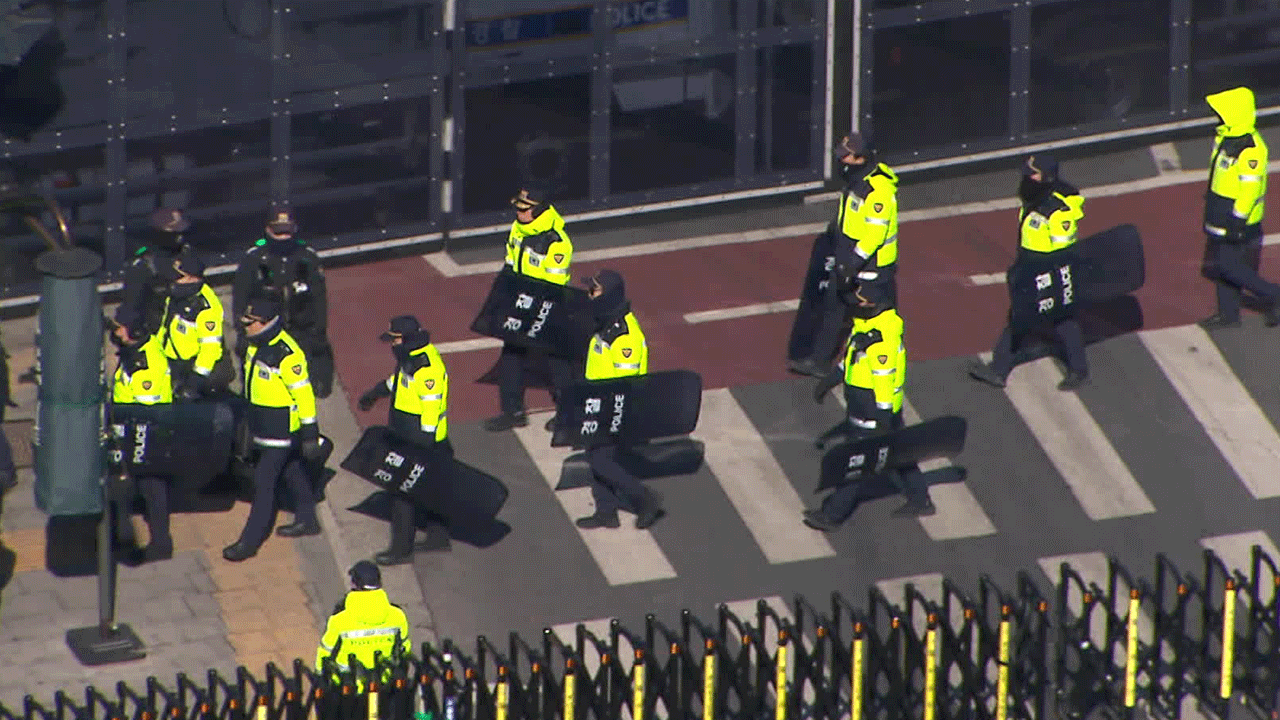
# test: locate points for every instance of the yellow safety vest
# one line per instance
(366, 623)
(1051, 225)
(1238, 166)
(882, 367)
(618, 351)
(424, 393)
(541, 249)
(192, 330)
(150, 383)
(868, 217)
(276, 379)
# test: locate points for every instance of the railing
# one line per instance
(997, 655)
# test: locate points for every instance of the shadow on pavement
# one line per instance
(480, 533)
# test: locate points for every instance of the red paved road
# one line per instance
(946, 315)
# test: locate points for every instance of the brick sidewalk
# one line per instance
(196, 611)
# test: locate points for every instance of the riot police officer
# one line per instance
(1233, 210)
(145, 289)
(142, 382)
(864, 249)
(282, 424)
(285, 269)
(191, 333)
(1047, 224)
(419, 392)
(874, 372)
(537, 247)
(366, 623)
(618, 349)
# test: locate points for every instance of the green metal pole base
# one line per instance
(97, 645)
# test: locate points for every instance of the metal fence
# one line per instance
(1211, 637)
(393, 122)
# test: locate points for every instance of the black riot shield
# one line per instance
(1042, 288)
(645, 461)
(813, 306)
(866, 458)
(628, 410)
(1110, 264)
(191, 443)
(431, 479)
(532, 313)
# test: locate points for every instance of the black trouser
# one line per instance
(274, 462)
(511, 371)
(612, 487)
(8, 473)
(1068, 334)
(1233, 267)
(404, 512)
(155, 496)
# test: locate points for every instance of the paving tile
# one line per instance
(37, 604)
(171, 607)
(232, 600)
(253, 643)
(246, 620)
(203, 606)
(203, 628)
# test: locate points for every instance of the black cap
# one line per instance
(1046, 165)
(530, 197)
(262, 310)
(852, 144)
(400, 327)
(128, 318)
(186, 262)
(606, 278)
(365, 575)
(282, 222)
(169, 220)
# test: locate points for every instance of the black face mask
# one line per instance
(1029, 191)
(183, 291)
(169, 241)
(401, 352)
(266, 336)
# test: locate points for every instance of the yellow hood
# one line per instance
(1237, 110)
(548, 220)
(370, 607)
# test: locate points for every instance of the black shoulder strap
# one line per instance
(614, 330)
(1233, 146)
(273, 354)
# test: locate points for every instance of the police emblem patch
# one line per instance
(146, 384)
(1253, 164)
(883, 359)
(297, 369)
(1034, 223)
(210, 324)
(1066, 224)
(431, 384)
(879, 207)
(559, 257)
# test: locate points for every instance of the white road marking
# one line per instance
(1236, 550)
(754, 482)
(1166, 158)
(624, 554)
(1093, 569)
(1078, 448)
(959, 515)
(742, 311)
(1222, 405)
(987, 279)
(457, 346)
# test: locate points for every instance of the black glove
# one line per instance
(187, 391)
(864, 340)
(311, 449)
(824, 385)
(371, 398)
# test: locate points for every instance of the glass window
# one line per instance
(220, 176)
(1080, 75)
(673, 124)
(526, 132)
(1234, 42)
(348, 166)
(76, 180)
(784, 108)
(940, 83)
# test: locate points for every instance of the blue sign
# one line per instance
(572, 22)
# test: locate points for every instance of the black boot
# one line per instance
(816, 520)
(239, 551)
(1216, 321)
(299, 528)
(392, 556)
(506, 421)
(1073, 380)
(599, 520)
(987, 374)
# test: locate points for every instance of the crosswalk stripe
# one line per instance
(959, 513)
(1236, 550)
(625, 555)
(1220, 402)
(1076, 446)
(754, 482)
